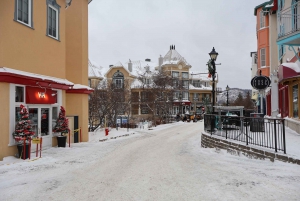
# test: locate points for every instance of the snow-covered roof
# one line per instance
(191, 87)
(34, 75)
(94, 71)
(140, 67)
(173, 57)
(80, 86)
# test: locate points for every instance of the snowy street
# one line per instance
(166, 163)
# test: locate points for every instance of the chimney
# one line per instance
(160, 60)
(130, 66)
(111, 65)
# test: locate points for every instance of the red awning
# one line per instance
(288, 70)
(31, 79)
(182, 103)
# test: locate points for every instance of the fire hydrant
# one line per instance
(106, 131)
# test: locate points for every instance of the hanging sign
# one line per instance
(260, 82)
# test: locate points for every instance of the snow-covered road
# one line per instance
(159, 164)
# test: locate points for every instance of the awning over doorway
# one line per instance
(288, 70)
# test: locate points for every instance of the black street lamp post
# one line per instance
(227, 89)
(180, 106)
(213, 56)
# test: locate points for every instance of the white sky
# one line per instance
(139, 29)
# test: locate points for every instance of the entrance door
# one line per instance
(40, 121)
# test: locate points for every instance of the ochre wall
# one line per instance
(5, 150)
(77, 61)
(77, 42)
(77, 105)
(31, 50)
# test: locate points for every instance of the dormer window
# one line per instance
(23, 12)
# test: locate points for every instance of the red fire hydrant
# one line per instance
(106, 131)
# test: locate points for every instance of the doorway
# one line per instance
(40, 117)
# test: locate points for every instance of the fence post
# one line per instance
(226, 121)
(275, 137)
(246, 132)
(283, 133)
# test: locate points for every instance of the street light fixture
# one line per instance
(213, 56)
(227, 89)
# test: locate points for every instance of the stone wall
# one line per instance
(208, 141)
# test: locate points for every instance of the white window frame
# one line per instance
(262, 19)
(29, 16)
(185, 84)
(185, 75)
(175, 74)
(262, 57)
(185, 95)
(118, 83)
(175, 110)
(176, 95)
(48, 23)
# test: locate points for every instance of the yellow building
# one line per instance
(43, 50)
(183, 93)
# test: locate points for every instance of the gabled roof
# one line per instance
(173, 57)
(94, 71)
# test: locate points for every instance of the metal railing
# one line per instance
(288, 20)
(264, 132)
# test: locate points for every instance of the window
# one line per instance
(262, 57)
(295, 101)
(176, 95)
(53, 19)
(145, 109)
(147, 81)
(206, 97)
(185, 75)
(255, 59)
(196, 83)
(175, 74)
(118, 83)
(196, 97)
(118, 79)
(23, 12)
(19, 94)
(144, 96)
(175, 83)
(262, 19)
(185, 84)
(175, 110)
(185, 95)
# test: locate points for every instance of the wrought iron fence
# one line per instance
(259, 131)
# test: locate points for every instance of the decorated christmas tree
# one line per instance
(23, 130)
(62, 124)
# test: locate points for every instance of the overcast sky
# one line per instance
(120, 30)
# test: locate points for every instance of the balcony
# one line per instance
(288, 25)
